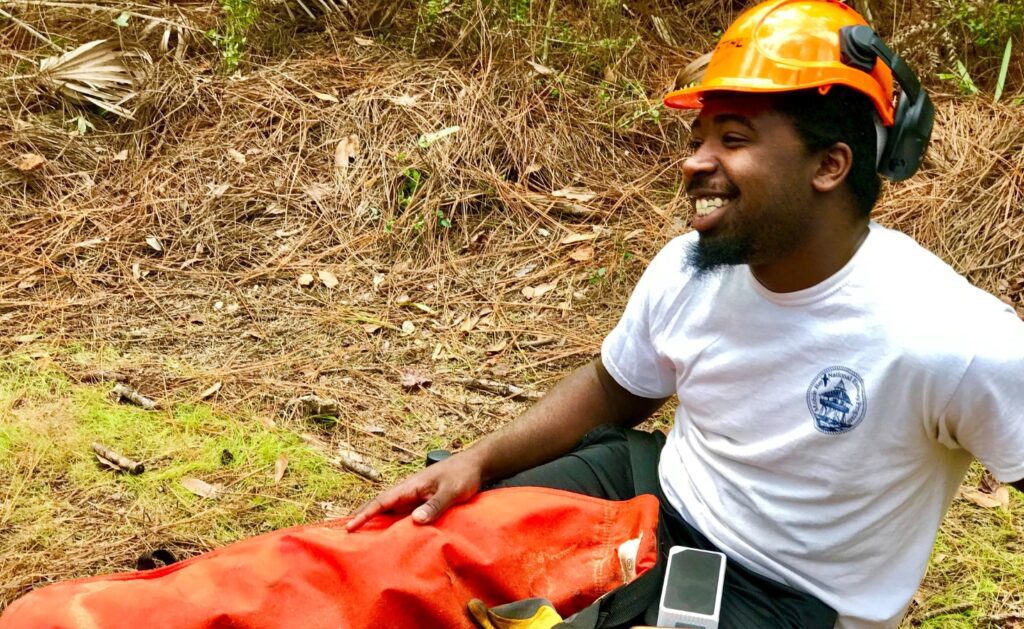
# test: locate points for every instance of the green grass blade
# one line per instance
(1003, 69)
(967, 85)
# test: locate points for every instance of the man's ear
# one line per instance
(833, 167)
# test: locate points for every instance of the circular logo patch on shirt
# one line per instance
(837, 400)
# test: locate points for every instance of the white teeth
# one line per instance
(705, 206)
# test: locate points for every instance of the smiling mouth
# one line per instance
(708, 211)
(706, 205)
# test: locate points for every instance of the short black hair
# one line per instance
(841, 115)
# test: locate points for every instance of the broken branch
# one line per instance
(499, 388)
(125, 393)
(114, 459)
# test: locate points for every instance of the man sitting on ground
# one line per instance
(834, 378)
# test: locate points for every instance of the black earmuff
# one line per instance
(904, 149)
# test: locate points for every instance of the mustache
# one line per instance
(704, 183)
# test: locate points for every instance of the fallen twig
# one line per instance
(540, 342)
(498, 388)
(942, 611)
(115, 460)
(353, 462)
(343, 456)
(125, 393)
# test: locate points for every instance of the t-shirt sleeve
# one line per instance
(629, 352)
(985, 415)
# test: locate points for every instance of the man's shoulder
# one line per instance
(913, 285)
(916, 275)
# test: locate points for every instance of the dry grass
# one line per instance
(240, 183)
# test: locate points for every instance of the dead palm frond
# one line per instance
(325, 7)
(693, 72)
(94, 73)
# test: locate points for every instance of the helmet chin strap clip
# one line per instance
(861, 48)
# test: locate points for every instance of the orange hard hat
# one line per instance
(784, 45)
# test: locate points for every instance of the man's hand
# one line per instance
(429, 492)
(582, 401)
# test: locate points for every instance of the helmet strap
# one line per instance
(881, 137)
(862, 48)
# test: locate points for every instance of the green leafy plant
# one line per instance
(989, 22)
(241, 15)
(82, 125)
(1001, 82)
(519, 10)
(597, 275)
(962, 78)
(412, 179)
(443, 220)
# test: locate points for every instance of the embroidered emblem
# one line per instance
(837, 400)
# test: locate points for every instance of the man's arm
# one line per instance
(1018, 485)
(587, 398)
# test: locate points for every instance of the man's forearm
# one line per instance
(582, 401)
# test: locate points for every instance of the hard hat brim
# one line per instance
(693, 97)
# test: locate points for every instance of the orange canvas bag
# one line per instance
(503, 545)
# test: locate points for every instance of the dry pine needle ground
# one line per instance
(314, 224)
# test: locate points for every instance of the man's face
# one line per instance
(749, 179)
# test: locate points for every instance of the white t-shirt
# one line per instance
(822, 434)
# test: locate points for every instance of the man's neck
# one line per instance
(823, 255)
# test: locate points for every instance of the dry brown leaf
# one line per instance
(318, 191)
(237, 156)
(121, 156)
(575, 194)
(526, 270)
(329, 279)
(541, 69)
(330, 98)
(534, 292)
(370, 328)
(363, 41)
(217, 190)
(306, 279)
(154, 243)
(29, 162)
(404, 100)
(408, 327)
(345, 153)
(988, 483)
(202, 488)
(979, 498)
(574, 238)
(280, 465)
(27, 284)
(582, 254)
(27, 338)
(469, 323)
(1003, 496)
(498, 347)
(207, 394)
(412, 379)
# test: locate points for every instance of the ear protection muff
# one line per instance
(908, 138)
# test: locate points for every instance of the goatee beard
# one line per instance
(709, 255)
